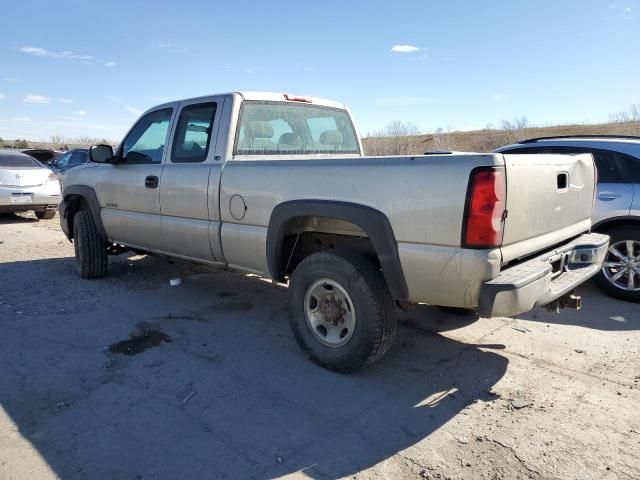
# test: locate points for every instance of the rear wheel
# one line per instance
(90, 247)
(340, 310)
(45, 214)
(620, 274)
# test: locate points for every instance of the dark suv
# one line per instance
(617, 208)
(69, 159)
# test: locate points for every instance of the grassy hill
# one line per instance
(485, 140)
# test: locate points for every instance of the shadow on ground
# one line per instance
(599, 312)
(12, 218)
(224, 392)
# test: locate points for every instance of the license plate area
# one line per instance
(21, 197)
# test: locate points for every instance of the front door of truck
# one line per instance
(128, 191)
(189, 226)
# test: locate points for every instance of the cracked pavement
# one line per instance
(229, 394)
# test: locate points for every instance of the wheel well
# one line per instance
(307, 235)
(608, 225)
(75, 203)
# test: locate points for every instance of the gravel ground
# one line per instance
(127, 377)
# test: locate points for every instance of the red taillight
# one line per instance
(297, 98)
(485, 209)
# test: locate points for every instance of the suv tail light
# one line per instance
(485, 209)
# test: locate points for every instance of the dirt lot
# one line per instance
(213, 385)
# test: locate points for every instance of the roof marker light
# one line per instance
(297, 98)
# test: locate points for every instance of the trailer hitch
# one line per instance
(570, 300)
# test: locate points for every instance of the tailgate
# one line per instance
(549, 200)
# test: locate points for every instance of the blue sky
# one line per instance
(77, 68)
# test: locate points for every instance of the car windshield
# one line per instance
(279, 128)
(18, 161)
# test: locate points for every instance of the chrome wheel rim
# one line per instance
(622, 265)
(329, 312)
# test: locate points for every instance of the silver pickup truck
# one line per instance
(277, 185)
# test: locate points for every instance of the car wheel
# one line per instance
(620, 274)
(46, 214)
(340, 310)
(90, 247)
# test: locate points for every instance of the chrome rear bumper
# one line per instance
(545, 278)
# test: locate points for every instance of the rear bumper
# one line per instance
(543, 279)
(41, 197)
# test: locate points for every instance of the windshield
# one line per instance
(278, 128)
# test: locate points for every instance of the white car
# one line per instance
(26, 184)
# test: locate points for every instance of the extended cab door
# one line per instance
(128, 191)
(190, 180)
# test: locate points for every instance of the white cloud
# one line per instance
(80, 112)
(1, 95)
(110, 64)
(248, 70)
(42, 52)
(129, 108)
(498, 97)
(404, 49)
(65, 100)
(36, 99)
(161, 45)
(628, 9)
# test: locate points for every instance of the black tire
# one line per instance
(45, 214)
(375, 324)
(90, 247)
(617, 235)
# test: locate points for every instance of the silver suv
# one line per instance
(617, 209)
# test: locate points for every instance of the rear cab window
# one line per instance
(287, 128)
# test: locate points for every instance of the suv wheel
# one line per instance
(340, 310)
(90, 247)
(620, 274)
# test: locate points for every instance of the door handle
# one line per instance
(151, 181)
(608, 196)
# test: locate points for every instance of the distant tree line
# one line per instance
(401, 138)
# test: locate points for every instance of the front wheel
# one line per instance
(620, 274)
(90, 247)
(340, 310)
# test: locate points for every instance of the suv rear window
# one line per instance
(18, 161)
(279, 128)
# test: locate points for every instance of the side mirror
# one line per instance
(101, 154)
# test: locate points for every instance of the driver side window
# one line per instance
(145, 143)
